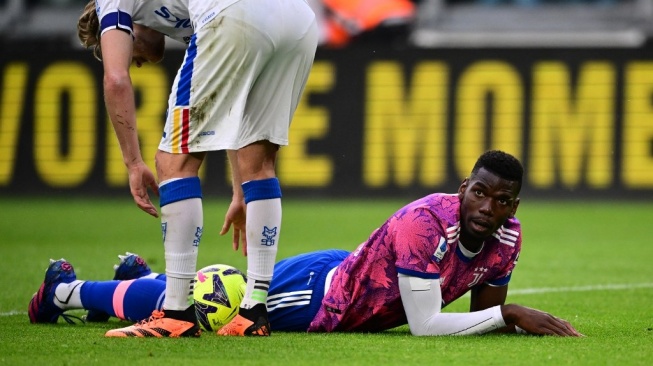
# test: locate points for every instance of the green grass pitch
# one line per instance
(588, 262)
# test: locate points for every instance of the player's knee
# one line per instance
(170, 166)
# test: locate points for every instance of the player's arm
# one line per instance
(117, 48)
(485, 296)
(422, 301)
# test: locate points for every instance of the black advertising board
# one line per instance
(372, 121)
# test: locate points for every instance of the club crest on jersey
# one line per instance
(268, 236)
(442, 248)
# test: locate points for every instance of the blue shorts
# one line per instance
(297, 288)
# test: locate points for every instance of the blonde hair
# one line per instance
(88, 29)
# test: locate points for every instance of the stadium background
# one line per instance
(564, 84)
(567, 86)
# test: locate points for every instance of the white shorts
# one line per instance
(242, 76)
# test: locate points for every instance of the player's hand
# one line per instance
(538, 322)
(140, 179)
(236, 216)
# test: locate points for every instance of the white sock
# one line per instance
(152, 276)
(263, 228)
(182, 225)
(67, 295)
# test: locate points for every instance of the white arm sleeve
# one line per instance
(422, 302)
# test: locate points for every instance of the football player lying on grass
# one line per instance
(426, 255)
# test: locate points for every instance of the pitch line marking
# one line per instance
(615, 287)
(525, 291)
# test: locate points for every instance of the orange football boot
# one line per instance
(159, 326)
(248, 322)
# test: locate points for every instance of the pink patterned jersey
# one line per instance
(420, 240)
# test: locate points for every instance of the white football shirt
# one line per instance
(169, 17)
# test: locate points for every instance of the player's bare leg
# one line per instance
(262, 194)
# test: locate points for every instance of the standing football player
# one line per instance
(237, 89)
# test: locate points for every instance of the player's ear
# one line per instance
(514, 207)
(463, 188)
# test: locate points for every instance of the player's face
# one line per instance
(487, 201)
(148, 45)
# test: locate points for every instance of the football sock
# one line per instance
(263, 199)
(67, 295)
(132, 300)
(156, 276)
(182, 225)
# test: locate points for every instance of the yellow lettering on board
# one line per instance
(637, 138)
(502, 82)
(572, 133)
(11, 106)
(70, 164)
(405, 126)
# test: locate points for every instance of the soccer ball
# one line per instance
(219, 289)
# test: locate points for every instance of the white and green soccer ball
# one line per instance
(219, 289)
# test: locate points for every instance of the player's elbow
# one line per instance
(418, 332)
(116, 83)
(421, 330)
